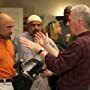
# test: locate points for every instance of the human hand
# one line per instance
(42, 39)
(45, 73)
(29, 44)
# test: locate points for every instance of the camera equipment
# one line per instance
(26, 74)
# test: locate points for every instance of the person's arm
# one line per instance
(43, 40)
(50, 50)
(36, 47)
(15, 43)
(33, 46)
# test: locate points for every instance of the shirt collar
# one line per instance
(84, 33)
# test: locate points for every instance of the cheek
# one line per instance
(71, 25)
(73, 29)
(58, 32)
(40, 28)
(4, 31)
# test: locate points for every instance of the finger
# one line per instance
(47, 35)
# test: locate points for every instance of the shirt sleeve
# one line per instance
(15, 45)
(66, 60)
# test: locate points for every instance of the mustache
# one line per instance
(6, 38)
(34, 32)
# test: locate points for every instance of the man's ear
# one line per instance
(81, 22)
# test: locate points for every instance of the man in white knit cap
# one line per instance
(34, 25)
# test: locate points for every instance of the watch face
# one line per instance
(40, 51)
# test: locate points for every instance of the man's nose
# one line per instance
(36, 26)
(11, 30)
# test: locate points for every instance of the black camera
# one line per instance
(26, 74)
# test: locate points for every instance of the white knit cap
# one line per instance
(34, 18)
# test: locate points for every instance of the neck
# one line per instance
(82, 31)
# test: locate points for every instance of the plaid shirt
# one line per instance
(73, 64)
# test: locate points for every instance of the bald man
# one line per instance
(7, 71)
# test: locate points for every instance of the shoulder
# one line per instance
(76, 45)
(21, 35)
(16, 39)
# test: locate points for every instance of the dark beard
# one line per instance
(6, 38)
(35, 31)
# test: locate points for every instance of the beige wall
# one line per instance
(46, 8)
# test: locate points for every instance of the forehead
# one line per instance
(36, 22)
(6, 19)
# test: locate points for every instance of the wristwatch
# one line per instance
(40, 51)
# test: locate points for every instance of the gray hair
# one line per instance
(82, 12)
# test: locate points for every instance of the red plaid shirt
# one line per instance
(73, 64)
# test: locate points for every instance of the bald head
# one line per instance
(5, 17)
(6, 25)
